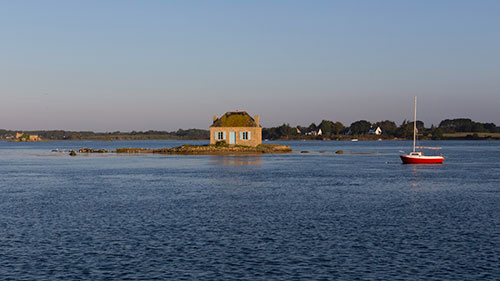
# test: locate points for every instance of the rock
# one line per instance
(90, 150)
(72, 153)
(339, 152)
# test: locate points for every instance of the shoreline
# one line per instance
(188, 149)
(277, 140)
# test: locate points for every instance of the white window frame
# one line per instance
(244, 135)
(220, 135)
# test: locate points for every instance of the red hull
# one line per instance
(421, 160)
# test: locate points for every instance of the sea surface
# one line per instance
(300, 216)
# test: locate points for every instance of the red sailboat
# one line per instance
(418, 157)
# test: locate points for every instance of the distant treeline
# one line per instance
(460, 128)
(191, 134)
(365, 129)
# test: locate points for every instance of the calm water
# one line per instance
(314, 215)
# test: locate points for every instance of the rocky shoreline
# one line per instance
(188, 149)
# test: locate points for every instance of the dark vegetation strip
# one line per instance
(460, 128)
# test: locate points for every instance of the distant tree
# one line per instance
(456, 125)
(270, 133)
(406, 129)
(326, 127)
(465, 125)
(337, 128)
(448, 126)
(181, 133)
(437, 134)
(477, 127)
(312, 127)
(190, 134)
(3, 133)
(489, 127)
(360, 127)
(388, 127)
(285, 131)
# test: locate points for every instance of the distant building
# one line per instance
(25, 137)
(236, 127)
(375, 131)
(315, 133)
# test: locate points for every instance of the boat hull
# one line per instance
(409, 159)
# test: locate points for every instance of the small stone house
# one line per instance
(236, 128)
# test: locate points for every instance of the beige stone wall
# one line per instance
(255, 135)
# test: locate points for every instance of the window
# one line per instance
(220, 135)
(244, 136)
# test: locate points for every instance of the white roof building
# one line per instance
(375, 131)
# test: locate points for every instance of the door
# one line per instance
(232, 137)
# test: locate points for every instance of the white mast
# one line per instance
(415, 124)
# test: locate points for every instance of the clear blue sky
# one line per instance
(139, 65)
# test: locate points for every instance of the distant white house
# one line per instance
(375, 131)
(315, 133)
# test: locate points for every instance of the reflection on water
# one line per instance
(418, 172)
(236, 160)
(414, 175)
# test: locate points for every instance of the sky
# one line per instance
(165, 65)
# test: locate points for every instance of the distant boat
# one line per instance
(418, 157)
(354, 140)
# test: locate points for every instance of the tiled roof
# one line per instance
(235, 119)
